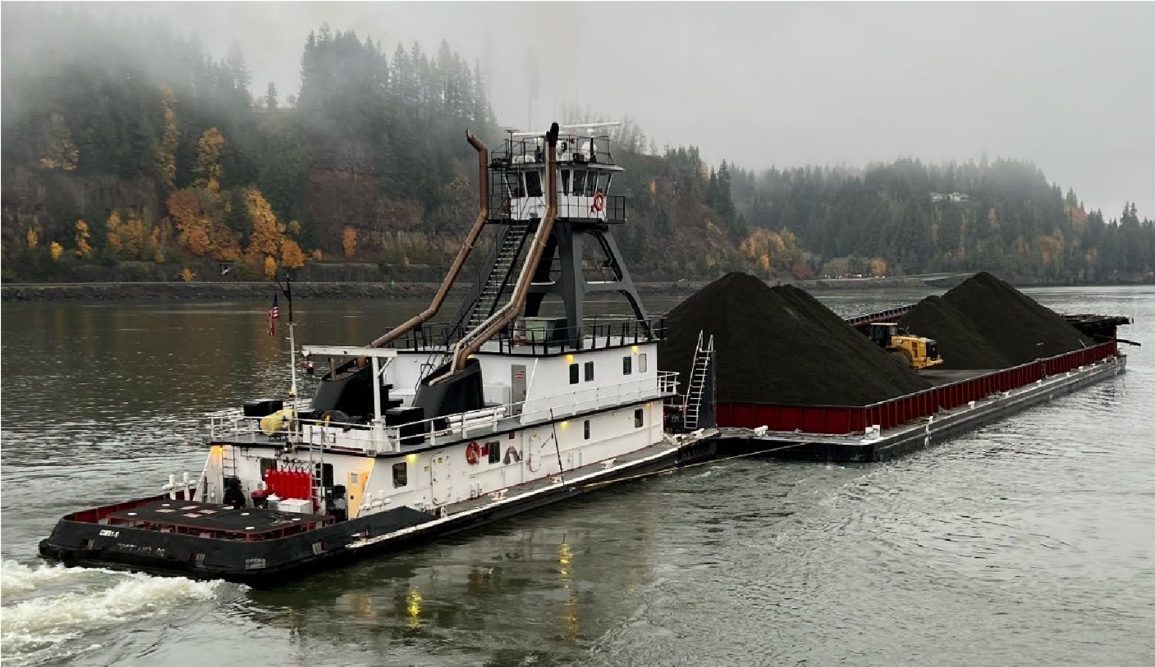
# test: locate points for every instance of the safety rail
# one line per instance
(571, 207)
(843, 420)
(519, 339)
(570, 148)
(233, 420)
(880, 316)
(429, 432)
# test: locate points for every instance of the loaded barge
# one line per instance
(959, 401)
(431, 429)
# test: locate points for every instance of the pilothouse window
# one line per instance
(579, 181)
(565, 181)
(533, 183)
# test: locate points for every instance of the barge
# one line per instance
(959, 401)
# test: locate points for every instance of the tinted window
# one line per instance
(533, 183)
(638, 418)
(586, 429)
(400, 474)
(565, 181)
(589, 371)
(627, 365)
(573, 373)
(579, 181)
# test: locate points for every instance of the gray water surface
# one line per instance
(1029, 541)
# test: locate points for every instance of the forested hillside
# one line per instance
(129, 153)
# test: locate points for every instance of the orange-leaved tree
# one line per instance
(208, 164)
(291, 255)
(264, 237)
(83, 247)
(126, 235)
(349, 242)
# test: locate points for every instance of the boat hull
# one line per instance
(88, 544)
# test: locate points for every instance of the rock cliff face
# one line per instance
(53, 200)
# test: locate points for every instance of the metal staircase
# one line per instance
(696, 387)
(499, 274)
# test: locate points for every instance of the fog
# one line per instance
(1070, 87)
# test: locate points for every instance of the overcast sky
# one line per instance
(1070, 87)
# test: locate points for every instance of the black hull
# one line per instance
(82, 543)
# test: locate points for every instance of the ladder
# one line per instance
(696, 387)
(228, 463)
(499, 273)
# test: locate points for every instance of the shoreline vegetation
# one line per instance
(136, 155)
(252, 290)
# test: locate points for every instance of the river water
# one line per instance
(1028, 541)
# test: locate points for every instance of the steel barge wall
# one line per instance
(844, 420)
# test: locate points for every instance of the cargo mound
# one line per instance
(780, 345)
(1011, 325)
(960, 344)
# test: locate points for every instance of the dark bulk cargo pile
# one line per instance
(986, 323)
(780, 345)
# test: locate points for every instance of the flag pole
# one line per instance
(292, 339)
(287, 290)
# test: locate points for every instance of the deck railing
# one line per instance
(520, 338)
(238, 429)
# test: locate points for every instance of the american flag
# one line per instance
(274, 313)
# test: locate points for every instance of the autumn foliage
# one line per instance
(349, 242)
(83, 247)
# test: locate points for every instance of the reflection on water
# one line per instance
(1028, 541)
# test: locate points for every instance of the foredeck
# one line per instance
(214, 520)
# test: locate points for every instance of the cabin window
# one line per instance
(573, 373)
(533, 183)
(642, 362)
(565, 181)
(579, 182)
(494, 451)
(639, 418)
(400, 474)
(591, 184)
(586, 429)
(589, 371)
(627, 365)
(606, 183)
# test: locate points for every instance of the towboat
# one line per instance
(432, 428)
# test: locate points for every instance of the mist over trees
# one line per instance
(131, 153)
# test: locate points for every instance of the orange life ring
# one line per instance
(473, 453)
(599, 203)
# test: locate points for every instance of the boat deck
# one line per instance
(214, 520)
